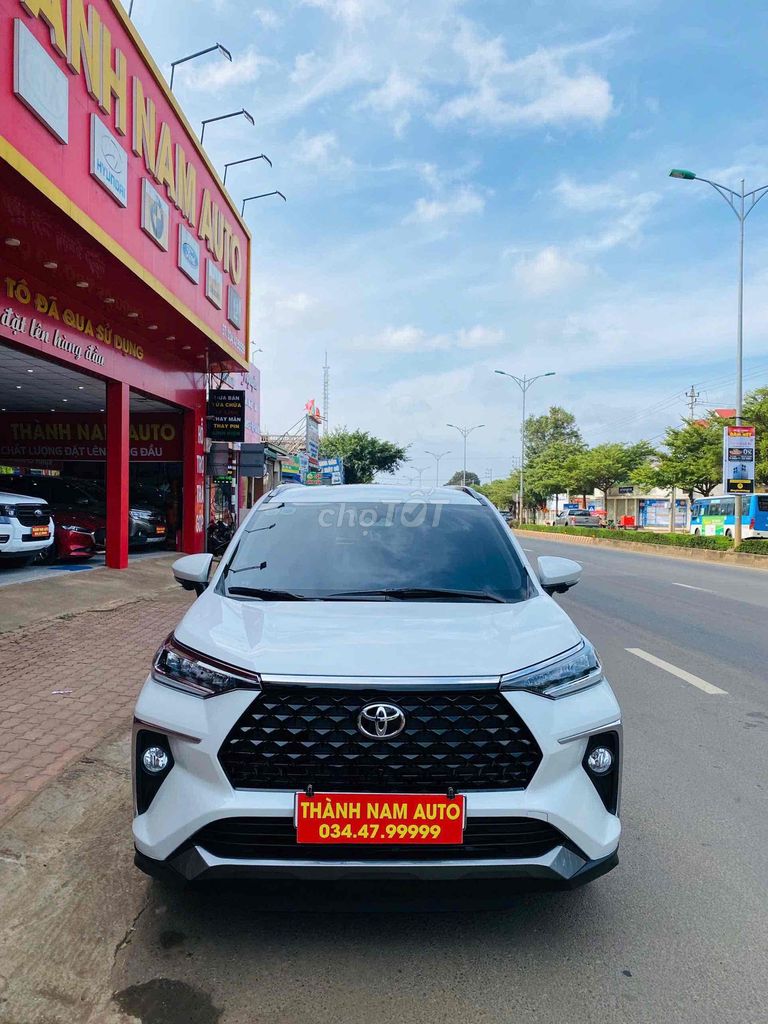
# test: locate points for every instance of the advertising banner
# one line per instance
(738, 459)
(82, 437)
(226, 415)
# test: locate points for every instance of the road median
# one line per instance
(691, 554)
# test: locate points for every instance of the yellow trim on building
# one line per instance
(35, 177)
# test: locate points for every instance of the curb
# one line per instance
(732, 558)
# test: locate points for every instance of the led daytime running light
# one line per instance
(184, 669)
(576, 670)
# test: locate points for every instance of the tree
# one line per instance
(558, 426)
(548, 473)
(606, 465)
(692, 458)
(502, 492)
(363, 455)
(755, 413)
(457, 479)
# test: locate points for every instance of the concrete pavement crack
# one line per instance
(129, 931)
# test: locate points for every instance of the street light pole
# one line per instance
(736, 201)
(523, 383)
(437, 456)
(194, 56)
(261, 195)
(223, 117)
(245, 160)
(465, 432)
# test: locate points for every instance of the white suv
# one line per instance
(26, 528)
(377, 684)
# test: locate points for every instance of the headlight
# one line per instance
(8, 510)
(76, 529)
(184, 669)
(573, 671)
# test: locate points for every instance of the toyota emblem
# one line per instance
(381, 721)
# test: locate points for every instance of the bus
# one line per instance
(716, 517)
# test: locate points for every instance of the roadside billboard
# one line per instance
(738, 459)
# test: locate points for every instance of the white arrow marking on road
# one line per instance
(687, 677)
(689, 587)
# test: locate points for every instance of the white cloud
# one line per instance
(551, 86)
(548, 270)
(415, 339)
(220, 73)
(348, 11)
(267, 17)
(463, 202)
(314, 149)
(396, 96)
(626, 210)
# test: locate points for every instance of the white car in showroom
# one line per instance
(377, 684)
(26, 528)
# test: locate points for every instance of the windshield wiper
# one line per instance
(266, 594)
(418, 593)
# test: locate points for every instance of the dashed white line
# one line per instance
(673, 670)
(688, 586)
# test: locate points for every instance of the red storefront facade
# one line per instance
(121, 255)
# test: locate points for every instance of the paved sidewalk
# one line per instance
(68, 683)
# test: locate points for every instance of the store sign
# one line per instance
(626, 490)
(109, 119)
(332, 470)
(109, 161)
(155, 214)
(738, 459)
(226, 415)
(234, 307)
(312, 437)
(82, 437)
(214, 284)
(39, 83)
(189, 255)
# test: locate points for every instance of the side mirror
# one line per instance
(192, 571)
(557, 575)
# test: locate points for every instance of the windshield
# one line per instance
(369, 551)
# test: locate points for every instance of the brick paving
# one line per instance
(102, 657)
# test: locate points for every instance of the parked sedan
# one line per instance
(577, 517)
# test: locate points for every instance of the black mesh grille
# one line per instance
(275, 838)
(27, 515)
(294, 736)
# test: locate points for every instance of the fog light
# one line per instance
(600, 760)
(154, 760)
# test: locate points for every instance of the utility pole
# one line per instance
(693, 397)
(326, 393)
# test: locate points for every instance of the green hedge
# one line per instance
(679, 540)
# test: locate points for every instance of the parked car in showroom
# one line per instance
(372, 685)
(147, 522)
(26, 528)
(80, 529)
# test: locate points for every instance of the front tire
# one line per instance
(729, 534)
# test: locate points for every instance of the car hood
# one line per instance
(375, 638)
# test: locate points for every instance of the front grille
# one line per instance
(295, 736)
(275, 839)
(27, 515)
(29, 539)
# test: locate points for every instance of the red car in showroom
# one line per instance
(79, 530)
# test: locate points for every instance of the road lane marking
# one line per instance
(673, 670)
(688, 586)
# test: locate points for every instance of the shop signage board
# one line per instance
(332, 470)
(738, 459)
(226, 415)
(92, 125)
(626, 490)
(82, 437)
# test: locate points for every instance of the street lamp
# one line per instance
(736, 201)
(223, 117)
(261, 196)
(192, 56)
(437, 456)
(523, 383)
(421, 470)
(245, 160)
(465, 432)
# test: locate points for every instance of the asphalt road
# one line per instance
(678, 932)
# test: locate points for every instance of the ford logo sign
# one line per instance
(381, 721)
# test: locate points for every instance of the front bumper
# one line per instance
(196, 793)
(560, 869)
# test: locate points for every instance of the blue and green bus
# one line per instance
(716, 517)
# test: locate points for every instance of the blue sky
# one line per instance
(483, 184)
